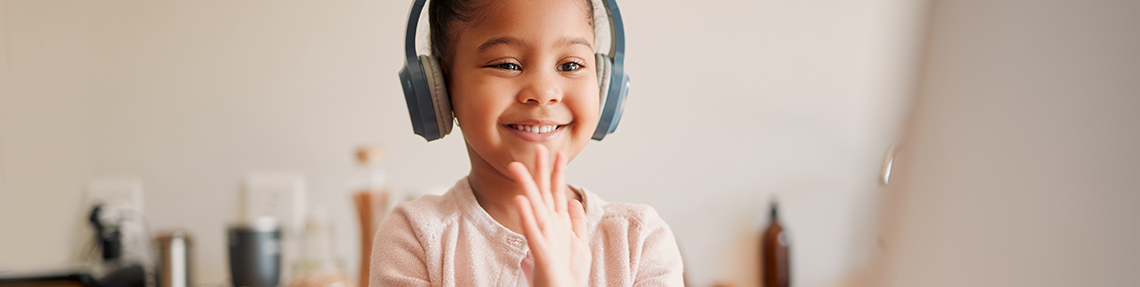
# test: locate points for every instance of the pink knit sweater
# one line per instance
(450, 240)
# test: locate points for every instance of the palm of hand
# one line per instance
(555, 227)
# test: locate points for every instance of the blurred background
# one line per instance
(1020, 116)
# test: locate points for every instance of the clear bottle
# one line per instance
(774, 245)
(318, 266)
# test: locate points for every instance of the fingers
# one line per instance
(530, 227)
(578, 219)
(558, 184)
(542, 175)
(530, 190)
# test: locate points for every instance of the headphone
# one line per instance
(429, 105)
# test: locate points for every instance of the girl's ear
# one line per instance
(446, 72)
(443, 66)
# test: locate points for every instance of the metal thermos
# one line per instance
(255, 253)
(173, 259)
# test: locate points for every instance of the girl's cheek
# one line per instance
(587, 104)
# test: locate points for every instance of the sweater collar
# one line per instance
(465, 198)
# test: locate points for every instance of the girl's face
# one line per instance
(523, 75)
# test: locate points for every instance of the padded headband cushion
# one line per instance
(439, 98)
(603, 65)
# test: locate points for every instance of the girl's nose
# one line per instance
(542, 91)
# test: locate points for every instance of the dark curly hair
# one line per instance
(446, 17)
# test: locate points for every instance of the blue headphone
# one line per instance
(430, 106)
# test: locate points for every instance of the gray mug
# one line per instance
(255, 253)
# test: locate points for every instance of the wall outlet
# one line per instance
(120, 194)
(277, 195)
(122, 209)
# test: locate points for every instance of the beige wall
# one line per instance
(733, 102)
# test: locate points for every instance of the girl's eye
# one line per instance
(569, 67)
(508, 66)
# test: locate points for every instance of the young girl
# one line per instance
(525, 93)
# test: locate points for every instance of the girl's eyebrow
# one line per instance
(516, 41)
(498, 41)
(575, 40)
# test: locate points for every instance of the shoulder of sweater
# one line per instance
(427, 213)
(641, 215)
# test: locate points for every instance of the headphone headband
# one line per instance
(617, 29)
(410, 35)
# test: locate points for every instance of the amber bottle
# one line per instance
(774, 245)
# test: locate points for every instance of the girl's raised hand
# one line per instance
(555, 228)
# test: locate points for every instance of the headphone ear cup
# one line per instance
(602, 66)
(440, 100)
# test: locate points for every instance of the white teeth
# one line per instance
(536, 129)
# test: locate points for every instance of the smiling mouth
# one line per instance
(538, 129)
